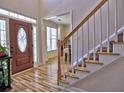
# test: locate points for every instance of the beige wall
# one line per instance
(65, 30)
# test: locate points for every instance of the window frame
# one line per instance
(51, 39)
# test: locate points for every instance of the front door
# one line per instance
(20, 45)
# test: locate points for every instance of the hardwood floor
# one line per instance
(40, 79)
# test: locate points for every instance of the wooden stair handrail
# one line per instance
(84, 21)
(60, 43)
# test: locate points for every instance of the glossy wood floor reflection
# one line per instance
(40, 79)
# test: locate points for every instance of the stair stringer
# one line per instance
(72, 85)
(95, 70)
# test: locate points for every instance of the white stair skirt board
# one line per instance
(108, 79)
(118, 48)
(108, 58)
(96, 69)
(93, 68)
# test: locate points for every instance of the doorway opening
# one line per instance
(57, 27)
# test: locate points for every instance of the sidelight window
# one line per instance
(3, 40)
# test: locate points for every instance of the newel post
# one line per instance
(59, 62)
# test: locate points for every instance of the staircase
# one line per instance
(94, 57)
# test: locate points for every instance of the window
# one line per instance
(22, 39)
(4, 12)
(13, 14)
(3, 40)
(51, 39)
(21, 17)
(16, 15)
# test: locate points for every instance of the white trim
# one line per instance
(35, 42)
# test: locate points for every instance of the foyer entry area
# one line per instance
(39, 79)
(42, 78)
(18, 34)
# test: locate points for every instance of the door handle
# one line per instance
(11, 51)
(11, 47)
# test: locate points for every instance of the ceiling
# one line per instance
(61, 19)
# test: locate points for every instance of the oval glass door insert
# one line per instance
(22, 39)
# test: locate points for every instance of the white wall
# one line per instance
(83, 49)
(80, 9)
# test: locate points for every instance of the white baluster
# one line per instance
(108, 41)
(77, 48)
(94, 43)
(101, 30)
(123, 36)
(116, 21)
(82, 43)
(88, 54)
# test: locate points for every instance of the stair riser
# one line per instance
(118, 48)
(107, 58)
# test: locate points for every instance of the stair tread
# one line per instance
(64, 81)
(94, 62)
(71, 75)
(108, 53)
(114, 42)
(82, 69)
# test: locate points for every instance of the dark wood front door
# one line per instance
(20, 45)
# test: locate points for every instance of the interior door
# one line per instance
(20, 45)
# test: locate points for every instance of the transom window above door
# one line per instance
(52, 37)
